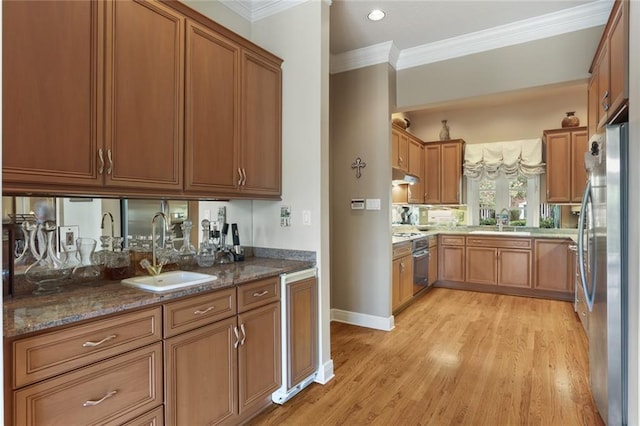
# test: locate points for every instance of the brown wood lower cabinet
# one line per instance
(452, 258)
(553, 272)
(302, 339)
(109, 392)
(536, 267)
(223, 371)
(402, 271)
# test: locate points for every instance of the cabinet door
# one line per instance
(433, 265)
(604, 92)
(619, 58)
(399, 150)
(260, 157)
(302, 336)
(201, 375)
(406, 279)
(212, 126)
(579, 145)
(482, 265)
(514, 268)
(52, 71)
(593, 102)
(552, 269)
(451, 173)
(416, 167)
(395, 284)
(558, 149)
(259, 362)
(432, 173)
(452, 263)
(145, 103)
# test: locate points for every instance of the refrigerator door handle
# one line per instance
(589, 296)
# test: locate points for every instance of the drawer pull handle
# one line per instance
(94, 344)
(244, 334)
(237, 342)
(93, 403)
(199, 312)
(262, 293)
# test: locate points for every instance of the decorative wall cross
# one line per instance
(358, 164)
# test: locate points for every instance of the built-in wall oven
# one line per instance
(420, 252)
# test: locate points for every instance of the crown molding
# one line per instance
(360, 58)
(255, 10)
(568, 20)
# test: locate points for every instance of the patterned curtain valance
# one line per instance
(509, 158)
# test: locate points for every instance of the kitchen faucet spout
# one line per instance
(155, 268)
(110, 216)
(503, 218)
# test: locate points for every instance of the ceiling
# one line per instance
(414, 23)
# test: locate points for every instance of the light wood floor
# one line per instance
(455, 357)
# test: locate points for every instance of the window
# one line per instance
(519, 195)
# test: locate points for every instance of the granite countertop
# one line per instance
(468, 230)
(29, 313)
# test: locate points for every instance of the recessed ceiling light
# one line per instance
(376, 15)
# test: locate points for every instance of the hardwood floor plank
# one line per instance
(455, 358)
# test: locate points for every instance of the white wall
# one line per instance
(224, 16)
(300, 37)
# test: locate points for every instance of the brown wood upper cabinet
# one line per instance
(51, 101)
(416, 167)
(443, 172)
(95, 103)
(399, 149)
(609, 84)
(144, 96)
(566, 174)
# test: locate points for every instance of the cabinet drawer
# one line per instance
(46, 355)
(194, 312)
(523, 243)
(258, 293)
(107, 393)
(451, 240)
(401, 250)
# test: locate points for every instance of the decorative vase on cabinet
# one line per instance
(570, 120)
(444, 133)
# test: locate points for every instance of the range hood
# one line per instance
(399, 176)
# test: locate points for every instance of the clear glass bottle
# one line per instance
(206, 256)
(49, 272)
(87, 270)
(28, 256)
(187, 252)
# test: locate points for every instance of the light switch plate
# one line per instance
(373, 203)
(357, 204)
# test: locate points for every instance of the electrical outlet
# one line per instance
(306, 217)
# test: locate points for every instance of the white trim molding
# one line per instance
(363, 320)
(325, 373)
(569, 20)
(255, 10)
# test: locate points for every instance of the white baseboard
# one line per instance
(325, 373)
(363, 320)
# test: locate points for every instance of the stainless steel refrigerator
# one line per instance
(602, 251)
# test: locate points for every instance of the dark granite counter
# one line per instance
(29, 313)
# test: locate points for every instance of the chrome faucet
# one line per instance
(155, 268)
(504, 218)
(107, 214)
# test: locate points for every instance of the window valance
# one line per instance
(509, 158)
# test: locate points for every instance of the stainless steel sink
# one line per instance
(504, 233)
(169, 280)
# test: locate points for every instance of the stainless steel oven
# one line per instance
(420, 251)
